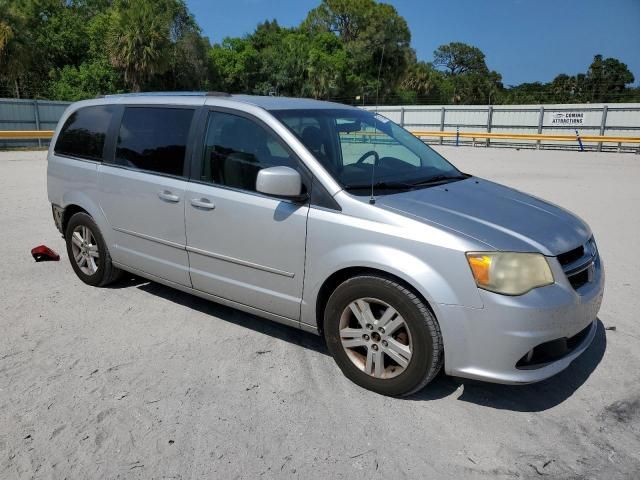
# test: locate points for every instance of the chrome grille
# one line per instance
(579, 264)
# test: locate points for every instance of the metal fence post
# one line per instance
(442, 113)
(603, 124)
(540, 124)
(36, 114)
(402, 116)
(489, 120)
(579, 141)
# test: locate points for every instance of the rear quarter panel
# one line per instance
(72, 181)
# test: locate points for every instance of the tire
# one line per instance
(396, 362)
(94, 265)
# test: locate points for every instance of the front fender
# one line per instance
(413, 269)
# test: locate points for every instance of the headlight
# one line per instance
(509, 273)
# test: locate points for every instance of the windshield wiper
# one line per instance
(380, 186)
(438, 179)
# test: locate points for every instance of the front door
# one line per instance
(244, 246)
(142, 191)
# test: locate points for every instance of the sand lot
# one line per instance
(141, 381)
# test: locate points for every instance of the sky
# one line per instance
(524, 40)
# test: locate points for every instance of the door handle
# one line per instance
(168, 196)
(204, 203)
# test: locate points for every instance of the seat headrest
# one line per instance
(312, 138)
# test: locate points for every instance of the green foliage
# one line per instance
(235, 63)
(606, 80)
(376, 41)
(353, 51)
(88, 80)
(15, 38)
(459, 58)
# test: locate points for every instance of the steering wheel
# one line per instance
(368, 154)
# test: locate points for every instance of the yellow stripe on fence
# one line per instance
(46, 134)
(527, 136)
(26, 134)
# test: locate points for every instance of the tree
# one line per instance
(15, 55)
(526, 93)
(139, 41)
(474, 88)
(425, 81)
(326, 65)
(282, 60)
(606, 79)
(458, 58)
(345, 18)
(73, 49)
(190, 64)
(469, 80)
(86, 81)
(6, 33)
(375, 38)
(235, 65)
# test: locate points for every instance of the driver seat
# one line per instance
(313, 140)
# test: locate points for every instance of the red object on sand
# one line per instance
(43, 253)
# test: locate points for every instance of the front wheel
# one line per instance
(382, 336)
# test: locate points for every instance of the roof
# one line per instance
(266, 102)
(286, 103)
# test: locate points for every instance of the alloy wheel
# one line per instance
(84, 248)
(376, 338)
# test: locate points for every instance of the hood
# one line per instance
(494, 214)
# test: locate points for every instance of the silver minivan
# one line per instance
(331, 219)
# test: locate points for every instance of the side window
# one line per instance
(83, 134)
(154, 139)
(237, 148)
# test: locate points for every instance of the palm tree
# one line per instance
(421, 78)
(15, 55)
(6, 33)
(139, 41)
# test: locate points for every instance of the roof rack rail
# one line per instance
(159, 94)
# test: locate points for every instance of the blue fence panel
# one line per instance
(18, 114)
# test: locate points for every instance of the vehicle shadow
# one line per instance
(281, 332)
(535, 397)
(520, 398)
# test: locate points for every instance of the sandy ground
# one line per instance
(141, 381)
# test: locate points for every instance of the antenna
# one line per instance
(372, 199)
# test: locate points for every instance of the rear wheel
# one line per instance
(88, 251)
(382, 336)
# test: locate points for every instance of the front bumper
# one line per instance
(487, 343)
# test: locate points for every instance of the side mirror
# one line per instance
(280, 182)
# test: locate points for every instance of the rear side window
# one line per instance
(154, 139)
(83, 134)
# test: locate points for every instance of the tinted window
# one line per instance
(84, 132)
(237, 148)
(154, 139)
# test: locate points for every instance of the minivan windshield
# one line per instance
(358, 147)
